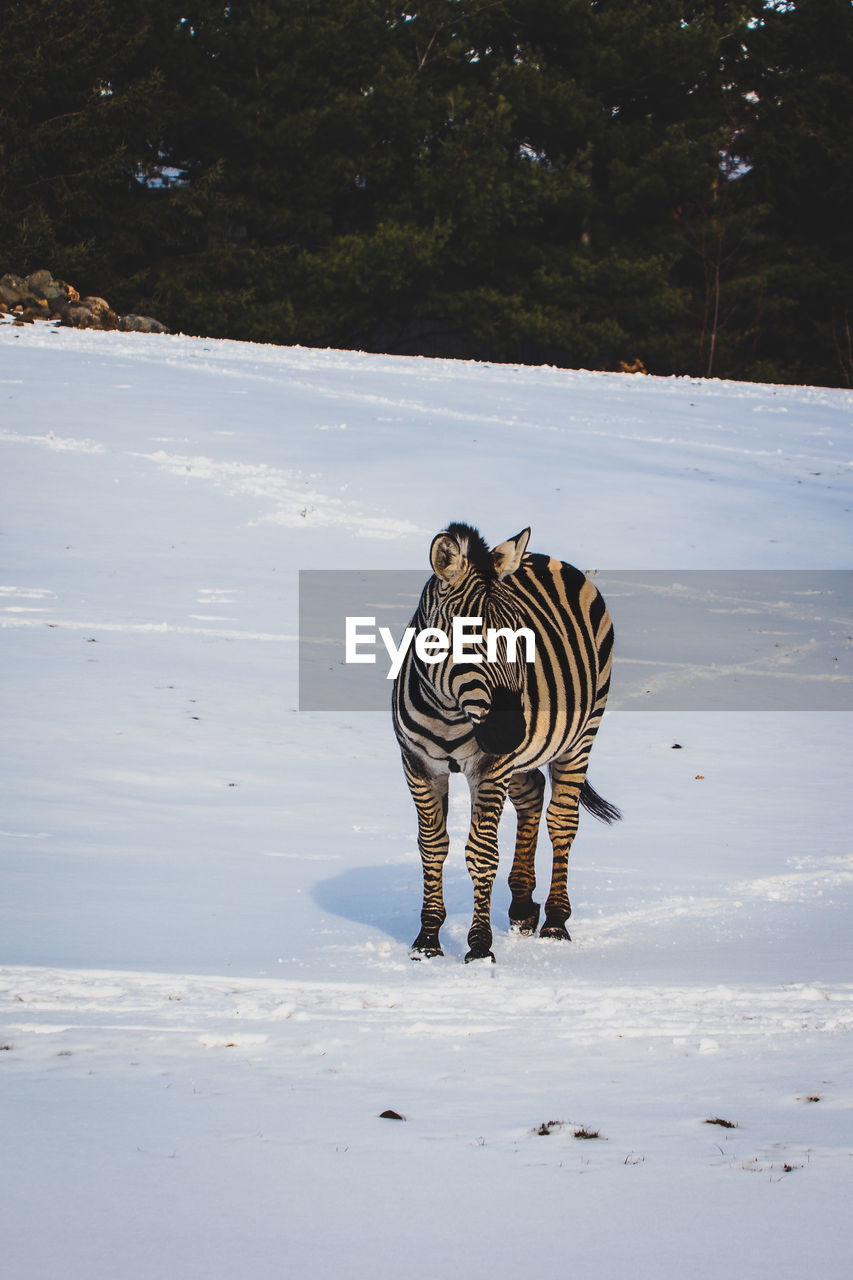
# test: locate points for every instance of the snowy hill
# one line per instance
(206, 998)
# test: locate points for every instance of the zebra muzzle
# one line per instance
(503, 728)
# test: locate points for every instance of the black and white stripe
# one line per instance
(500, 722)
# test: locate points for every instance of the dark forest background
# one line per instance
(561, 181)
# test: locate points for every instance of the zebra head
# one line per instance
(470, 582)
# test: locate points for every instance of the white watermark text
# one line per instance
(464, 644)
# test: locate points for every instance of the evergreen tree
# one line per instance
(82, 106)
(578, 181)
(799, 146)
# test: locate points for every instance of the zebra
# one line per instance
(499, 722)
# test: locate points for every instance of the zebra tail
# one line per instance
(597, 806)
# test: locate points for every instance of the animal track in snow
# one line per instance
(35, 594)
(295, 499)
(213, 597)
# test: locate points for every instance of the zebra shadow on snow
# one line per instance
(388, 896)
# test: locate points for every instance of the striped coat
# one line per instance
(500, 721)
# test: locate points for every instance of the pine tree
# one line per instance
(82, 106)
(799, 147)
(578, 181)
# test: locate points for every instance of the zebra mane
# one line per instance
(474, 546)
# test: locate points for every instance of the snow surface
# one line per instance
(208, 896)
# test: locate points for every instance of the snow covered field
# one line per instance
(206, 997)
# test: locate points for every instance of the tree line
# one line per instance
(596, 183)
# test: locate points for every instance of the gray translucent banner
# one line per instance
(699, 640)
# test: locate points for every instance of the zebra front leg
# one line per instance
(561, 817)
(481, 858)
(430, 797)
(526, 791)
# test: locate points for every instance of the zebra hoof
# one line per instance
(479, 955)
(525, 918)
(424, 948)
(558, 931)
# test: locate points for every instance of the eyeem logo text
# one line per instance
(433, 645)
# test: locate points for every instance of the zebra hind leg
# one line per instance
(526, 791)
(430, 797)
(561, 817)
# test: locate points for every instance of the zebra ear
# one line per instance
(445, 556)
(507, 557)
